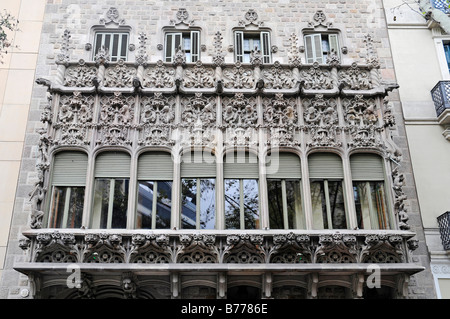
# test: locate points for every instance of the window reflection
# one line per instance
(284, 203)
(154, 196)
(198, 203)
(241, 204)
(110, 203)
(370, 203)
(67, 207)
(328, 205)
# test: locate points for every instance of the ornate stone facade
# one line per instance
(146, 104)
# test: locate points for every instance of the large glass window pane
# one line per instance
(275, 204)
(232, 204)
(328, 205)
(67, 207)
(251, 204)
(370, 203)
(337, 207)
(294, 204)
(189, 203)
(110, 203)
(207, 203)
(154, 196)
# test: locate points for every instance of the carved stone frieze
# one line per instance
(80, 75)
(238, 77)
(336, 249)
(159, 76)
(119, 76)
(317, 78)
(198, 109)
(362, 117)
(156, 119)
(198, 77)
(355, 78)
(197, 249)
(280, 116)
(115, 120)
(150, 249)
(244, 249)
(277, 77)
(321, 121)
(239, 111)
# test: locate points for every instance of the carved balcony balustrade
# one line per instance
(266, 248)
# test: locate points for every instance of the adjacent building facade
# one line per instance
(216, 150)
(422, 72)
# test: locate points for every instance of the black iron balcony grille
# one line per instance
(441, 96)
(442, 5)
(444, 229)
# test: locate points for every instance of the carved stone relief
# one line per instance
(159, 76)
(119, 76)
(278, 77)
(199, 77)
(80, 75)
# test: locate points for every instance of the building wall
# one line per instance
(16, 83)
(354, 18)
(418, 69)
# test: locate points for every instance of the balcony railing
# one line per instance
(444, 229)
(217, 247)
(441, 96)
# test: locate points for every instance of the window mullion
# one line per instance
(154, 204)
(66, 207)
(327, 203)
(284, 200)
(241, 203)
(110, 202)
(197, 206)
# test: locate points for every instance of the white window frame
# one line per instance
(314, 51)
(176, 39)
(265, 45)
(103, 33)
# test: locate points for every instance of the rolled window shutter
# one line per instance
(195, 45)
(240, 165)
(239, 46)
(286, 165)
(366, 167)
(198, 164)
(155, 166)
(112, 164)
(69, 169)
(325, 166)
(265, 46)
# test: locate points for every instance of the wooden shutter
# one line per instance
(173, 41)
(155, 166)
(240, 165)
(198, 164)
(195, 46)
(69, 169)
(239, 46)
(265, 46)
(286, 165)
(112, 164)
(325, 166)
(334, 43)
(313, 47)
(366, 167)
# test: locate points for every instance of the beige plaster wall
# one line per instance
(16, 81)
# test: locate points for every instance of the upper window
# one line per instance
(247, 42)
(319, 45)
(67, 190)
(187, 41)
(447, 54)
(115, 43)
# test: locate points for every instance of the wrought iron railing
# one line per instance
(441, 96)
(444, 229)
(443, 5)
